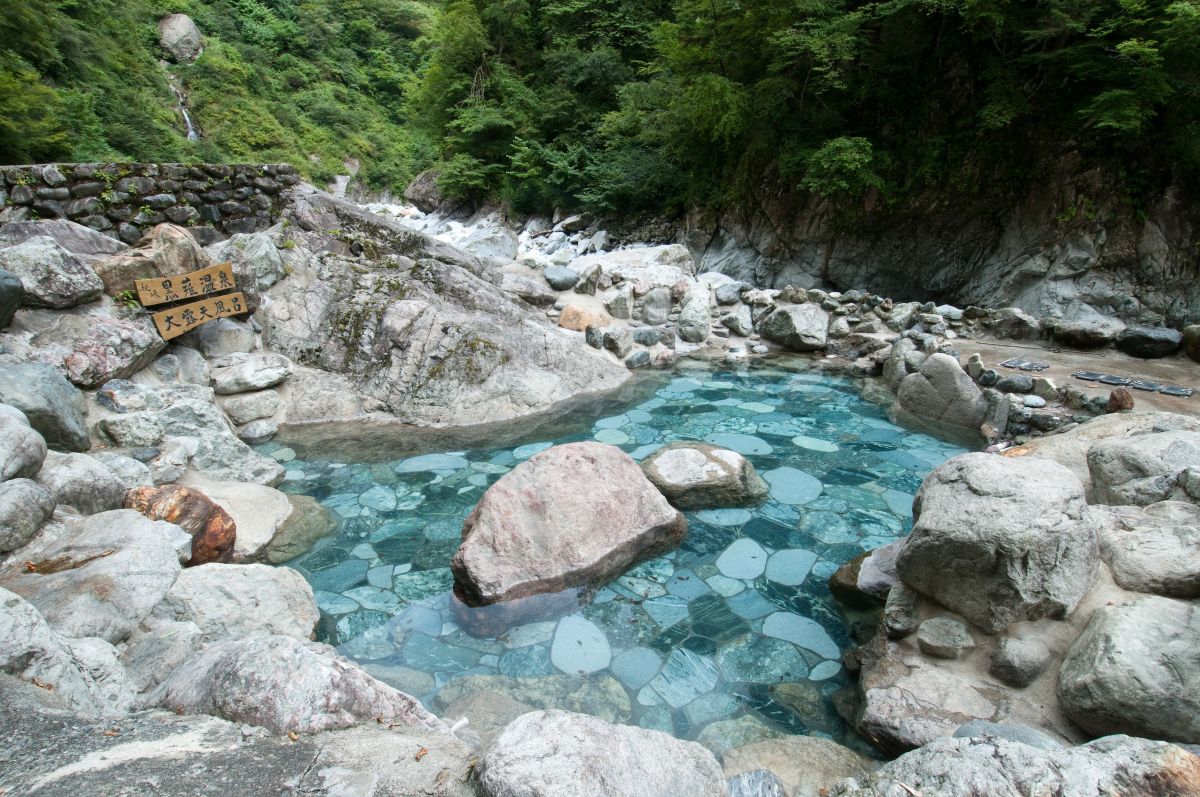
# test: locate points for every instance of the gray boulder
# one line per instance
(83, 673)
(221, 338)
(702, 476)
(1018, 662)
(103, 577)
(559, 754)
(179, 36)
(1155, 549)
(1087, 334)
(998, 767)
(236, 601)
(1148, 342)
(1013, 323)
(561, 278)
(739, 322)
(799, 327)
(241, 373)
(1000, 540)
(50, 275)
(1191, 338)
(285, 684)
(247, 407)
(22, 450)
(942, 391)
(1134, 669)
(75, 238)
(24, 506)
(12, 295)
(528, 290)
(1146, 469)
(82, 483)
(596, 515)
(656, 306)
(255, 261)
(694, 321)
(54, 406)
(424, 191)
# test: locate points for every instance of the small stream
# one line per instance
(737, 621)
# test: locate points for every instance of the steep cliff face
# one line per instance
(1071, 248)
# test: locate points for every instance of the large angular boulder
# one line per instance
(798, 327)
(1134, 670)
(235, 601)
(179, 36)
(241, 373)
(257, 510)
(102, 577)
(1146, 469)
(424, 191)
(1087, 333)
(221, 338)
(212, 530)
(54, 406)
(645, 267)
(559, 754)
(1154, 549)
(83, 673)
(573, 515)
(82, 483)
(75, 238)
(1000, 540)
(703, 476)
(22, 449)
(942, 391)
(995, 766)
(286, 684)
(694, 321)
(24, 506)
(254, 258)
(50, 275)
(1148, 342)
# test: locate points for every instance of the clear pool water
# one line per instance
(737, 621)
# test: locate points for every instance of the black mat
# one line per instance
(1120, 381)
(1176, 390)
(1145, 384)
(1088, 376)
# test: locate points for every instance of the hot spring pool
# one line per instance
(738, 621)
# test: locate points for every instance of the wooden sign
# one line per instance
(175, 321)
(161, 290)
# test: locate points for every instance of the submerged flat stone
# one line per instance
(742, 443)
(763, 660)
(802, 631)
(792, 485)
(815, 444)
(790, 567)
(431, 462)
(636, 667)
(684, 677)
(579, 646)
(744, 559)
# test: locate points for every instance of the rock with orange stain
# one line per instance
(579, 318)
(213, 530)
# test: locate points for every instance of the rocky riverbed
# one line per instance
(1038, 625)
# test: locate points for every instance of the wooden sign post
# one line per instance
(208, 292)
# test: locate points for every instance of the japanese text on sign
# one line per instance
(159, 290)
(186, 317)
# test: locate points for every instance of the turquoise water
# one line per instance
(738, 620)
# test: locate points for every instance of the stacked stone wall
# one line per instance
(125, 200)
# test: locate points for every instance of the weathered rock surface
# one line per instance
(570, 516)
(600, 696)
(1134, 669)
(417, 328)
(102, 578)
(221, 338)
(802, 327)
(996, 767)
(22, 449)
(807, 766)
(699, 476)
(54, 406)
(528, 290)
(83, 673)
(75, 238)
(179, 36)
(942, 391)
(52, 752)
(50, 275)
(212, 529)
(241, 373)
(694, 319)
(308, 522)
(1088, 333)
(558, 754)
(1148, 342)
(1155, 549)
(999, 540)
(645, 267)
(258, 512)
(1017, 662)
(285, 684)
(236, 601)
(12, 294)
(24, 506)
(1191, 341)
(82, 483)
(1146, 469)
(256, 262)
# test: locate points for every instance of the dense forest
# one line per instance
(623, 105)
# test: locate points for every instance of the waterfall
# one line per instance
(190, 129)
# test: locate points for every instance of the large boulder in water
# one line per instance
(1134, 669)
(559, 754)
(703, 476)
(942, 391)
(801, 327)
(1000, 540)
(573, 515)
